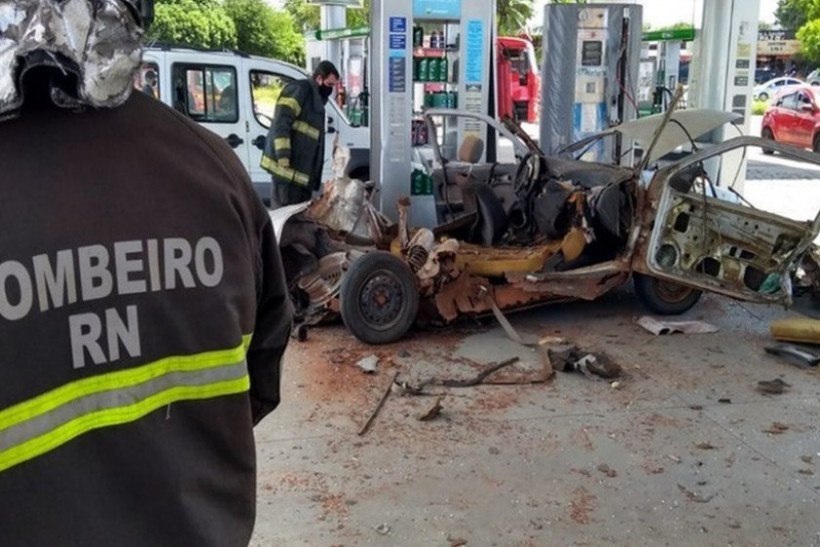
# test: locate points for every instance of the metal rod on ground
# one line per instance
(379, 406)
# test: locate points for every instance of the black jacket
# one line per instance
(295, 146)
(142, 327)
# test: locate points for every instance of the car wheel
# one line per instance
(763, 97)
(815, 145)
(766, 133)
(379, 299)
(665, 297)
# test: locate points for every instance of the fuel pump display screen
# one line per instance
(592, 53)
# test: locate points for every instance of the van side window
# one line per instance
(147, 80)
(265, 90)
(206, 93)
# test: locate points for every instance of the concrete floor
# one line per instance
(686, 452)
(569, 462)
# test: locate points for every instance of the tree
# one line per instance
(512, 16)
(809, 36)
(307, 15)
(262, 30)
(792, 14)
(198, 23)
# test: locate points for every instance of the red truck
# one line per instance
(519, 85)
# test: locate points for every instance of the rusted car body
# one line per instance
(535, 230)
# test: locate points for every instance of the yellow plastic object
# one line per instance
(497, 261)
(797, 329)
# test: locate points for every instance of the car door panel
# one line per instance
(723, 247)
(804, 122)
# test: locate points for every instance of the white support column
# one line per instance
(725, 76)
(333, 17)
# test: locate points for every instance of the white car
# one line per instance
(766, 90)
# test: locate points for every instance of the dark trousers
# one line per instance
(288, 193)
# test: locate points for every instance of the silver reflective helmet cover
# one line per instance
(96, 41)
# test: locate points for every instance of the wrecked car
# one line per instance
(532, 230)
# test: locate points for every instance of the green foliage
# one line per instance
(199, 23)
(759, 107)
(359, 17)
(792, 14)
(809, 36)
(512, 16)
(262, 30)
(307, 15)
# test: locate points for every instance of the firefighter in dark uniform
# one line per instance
(143, 310)
(295, 147)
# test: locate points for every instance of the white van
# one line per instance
(234, 95)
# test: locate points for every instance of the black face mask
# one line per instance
(325, 91)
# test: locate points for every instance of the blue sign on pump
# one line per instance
(437, 9)
(398, 24)
(398, 41)
(475, 51)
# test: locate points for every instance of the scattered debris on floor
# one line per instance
(456, 542)
(725, 401)
(383, 529)
(795, 354)
(776, 428)
(369, 363)
(483, 377)
(570, 358)
(379, 406)
(694, 496)
(433, 412)
(807, 471)
(773, 387)
(806, 459)
(608, 471)
(671, 327)
(802, 330)
(705, 446)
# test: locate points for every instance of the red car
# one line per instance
(794, 118)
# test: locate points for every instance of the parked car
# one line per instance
(763, 75)
(814, 77)
(234, 95)
(794, 118)
(535, 229)
(765, 91)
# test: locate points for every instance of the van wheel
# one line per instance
(766, 133)
(665, 297)
(763, 97)
(379, 299)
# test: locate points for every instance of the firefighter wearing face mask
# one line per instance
(295, 147)
(143, 307)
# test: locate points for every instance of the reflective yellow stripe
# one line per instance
(281, 143)
(291, 175)
(122, 415)
(49, 420)
(306, 129)
(291, 103)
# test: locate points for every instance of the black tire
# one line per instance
(763, 97)
(815, 145)
(665, 297)
(766, 133)
(379, 299)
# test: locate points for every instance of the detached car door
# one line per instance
(720, 245)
